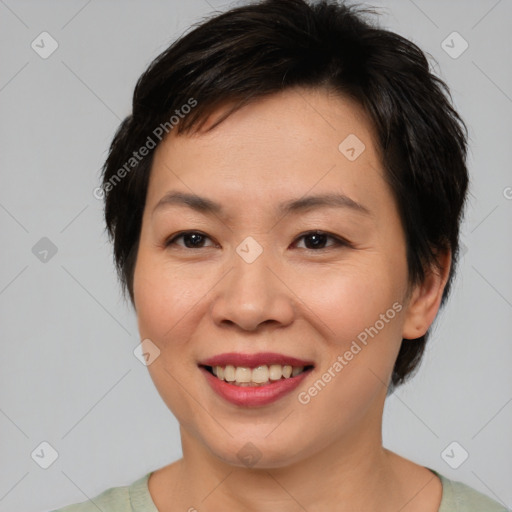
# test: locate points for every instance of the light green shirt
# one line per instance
(457, 497)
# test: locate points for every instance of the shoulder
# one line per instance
(459, 497)
(114, 499)
(128, 498)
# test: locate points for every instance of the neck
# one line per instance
(354, 470)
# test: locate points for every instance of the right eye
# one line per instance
(192, 239)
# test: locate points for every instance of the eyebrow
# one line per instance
(209, 207)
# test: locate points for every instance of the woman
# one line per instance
(284, 204)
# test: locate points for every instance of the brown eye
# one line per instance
(191, 239)
(315, 240)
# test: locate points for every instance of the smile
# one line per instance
(254, 379)
(260, 376)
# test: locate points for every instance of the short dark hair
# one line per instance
(265, 47)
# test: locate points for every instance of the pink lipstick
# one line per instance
(278, 375)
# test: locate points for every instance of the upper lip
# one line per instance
(253, 360)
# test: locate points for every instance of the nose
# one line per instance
(253, 294)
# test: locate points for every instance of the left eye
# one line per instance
(195, 239)
(318, 238)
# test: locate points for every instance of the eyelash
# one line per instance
(339, 242)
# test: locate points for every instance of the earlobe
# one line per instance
(426, 299)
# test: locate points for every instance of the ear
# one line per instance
(426, 299)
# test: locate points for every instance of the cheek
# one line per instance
(364, 318)
(165, 300)
(164, 297)
(350, 298)
(361, 318)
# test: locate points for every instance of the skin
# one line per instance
(307, 302)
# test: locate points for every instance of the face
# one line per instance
(322, 283)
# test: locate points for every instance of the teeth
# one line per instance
(243, 376)
(229, 373)
(296, 371)
(260, 374)
(275, 371)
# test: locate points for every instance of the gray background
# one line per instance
(68, 373)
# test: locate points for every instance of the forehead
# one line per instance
(278, 147)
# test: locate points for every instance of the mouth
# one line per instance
(262, 375)
(254, 379)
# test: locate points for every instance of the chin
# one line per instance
(257, 451)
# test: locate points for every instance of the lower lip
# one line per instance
(253, 396)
